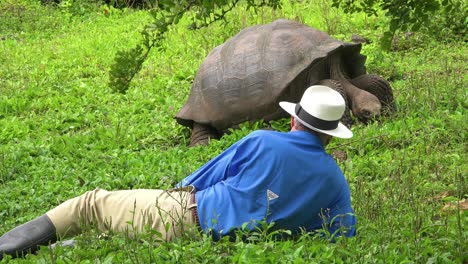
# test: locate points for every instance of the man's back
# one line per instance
(286, 178)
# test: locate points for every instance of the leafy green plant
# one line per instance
(406, 15)
(202, 13)
(21, 17)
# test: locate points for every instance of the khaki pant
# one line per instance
(167, 212)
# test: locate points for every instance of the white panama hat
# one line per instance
(320, 109)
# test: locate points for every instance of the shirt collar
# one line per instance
(309, 137)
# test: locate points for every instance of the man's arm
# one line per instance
(219, 168)
(210, 173)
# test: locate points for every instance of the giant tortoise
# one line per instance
(244, 78)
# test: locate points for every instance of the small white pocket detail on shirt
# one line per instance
(271, 195)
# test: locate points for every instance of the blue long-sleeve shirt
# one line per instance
(287, 178)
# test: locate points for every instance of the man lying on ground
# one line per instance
(281, 177)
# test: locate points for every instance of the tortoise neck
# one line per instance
(337, 71)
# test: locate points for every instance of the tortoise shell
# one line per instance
(247, 76)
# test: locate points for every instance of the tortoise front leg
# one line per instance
(201, 134)
(379, 87)
(336, 85)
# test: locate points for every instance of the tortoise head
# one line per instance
(365, 106)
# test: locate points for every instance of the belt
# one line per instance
(194, 210)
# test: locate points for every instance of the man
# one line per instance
(285, 178)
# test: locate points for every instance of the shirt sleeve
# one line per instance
(225, 165)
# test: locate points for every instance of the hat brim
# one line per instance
(341, 131)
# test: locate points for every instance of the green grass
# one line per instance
(63, 132)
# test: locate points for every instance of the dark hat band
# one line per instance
(314, 121)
